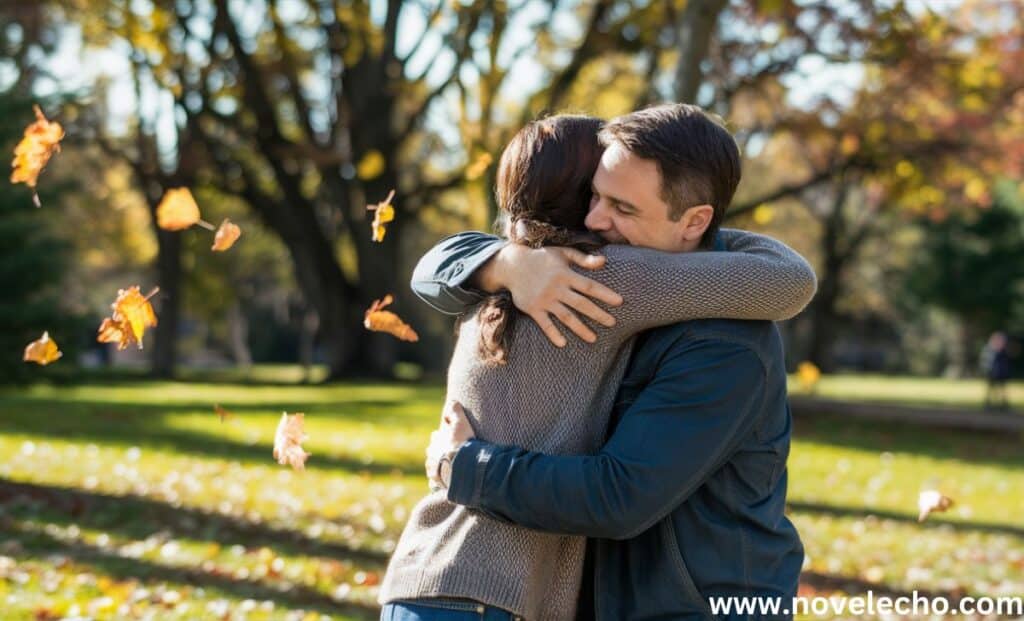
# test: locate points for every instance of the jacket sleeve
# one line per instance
(440, 276)
(682, 427)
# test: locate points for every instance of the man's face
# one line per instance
(627, 207)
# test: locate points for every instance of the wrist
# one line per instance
(445, 466)
(493, 276)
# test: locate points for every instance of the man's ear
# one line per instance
(695, 221)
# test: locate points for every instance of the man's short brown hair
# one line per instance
(696, 155)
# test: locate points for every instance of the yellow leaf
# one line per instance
(371, 166)
(288, 441)
(40, 141)
(177, 210)
(763, 214)
(132, 315)
(808, 373)
(975, 190)
(904, 169)
(42, 351)
(226, 236)
(379, 320)
(849, 144)
(383, 213)
(479, 166)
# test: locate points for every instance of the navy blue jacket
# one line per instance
(685, 502)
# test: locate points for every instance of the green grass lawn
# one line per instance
(125, 499)
(966, 393)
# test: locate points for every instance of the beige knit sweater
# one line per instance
(558, 401)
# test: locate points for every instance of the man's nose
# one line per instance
(597, 218)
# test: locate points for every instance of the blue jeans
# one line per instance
(444, 610)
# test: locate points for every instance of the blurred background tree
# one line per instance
(856, 119)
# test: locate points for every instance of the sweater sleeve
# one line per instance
(441, 277)
(757, 278)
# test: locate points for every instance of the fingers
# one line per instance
(586, 307)
(594, 289)
(548, 328)
(571, 321)
(584, 260)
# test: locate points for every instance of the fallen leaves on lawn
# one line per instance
(132, 315)
(42, 351)
(40, 141)
(288, 441)
(383, 213)
(379, 320)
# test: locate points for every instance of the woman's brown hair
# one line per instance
(543, 193)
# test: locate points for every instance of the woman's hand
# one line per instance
(453, 432)
(544, 287)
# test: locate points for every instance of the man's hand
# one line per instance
(543, 285)
(453, 432)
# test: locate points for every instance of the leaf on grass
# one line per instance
(42, 351)
(226, 236)
(177, 210)
(224, 414)
(931, 501)
(288, 441)
(379, 320)
(40, 141)
(132, 315)
(383, 213)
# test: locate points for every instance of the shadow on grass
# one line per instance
(123, 568)
(842, 511)
(979, 447)
(138, 517)
(143, 425)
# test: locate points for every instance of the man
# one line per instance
(685, 502)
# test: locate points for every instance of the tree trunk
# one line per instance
(693, 36)
(168, 263)
(824, 321)
(238, 336)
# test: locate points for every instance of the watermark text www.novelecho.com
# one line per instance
(868, 604)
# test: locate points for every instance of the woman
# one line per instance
(451, 563)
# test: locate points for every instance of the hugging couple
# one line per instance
(636, 469)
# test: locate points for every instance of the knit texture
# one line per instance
(558, 401)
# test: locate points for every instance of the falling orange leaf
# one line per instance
(41, 140)
(178, 210)
(288, 441)
(111, 332)
(42, 351)
(132, 315)
(224, 414)
(226, 236)
(380, 320)
(931, 501)
(383, 213)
